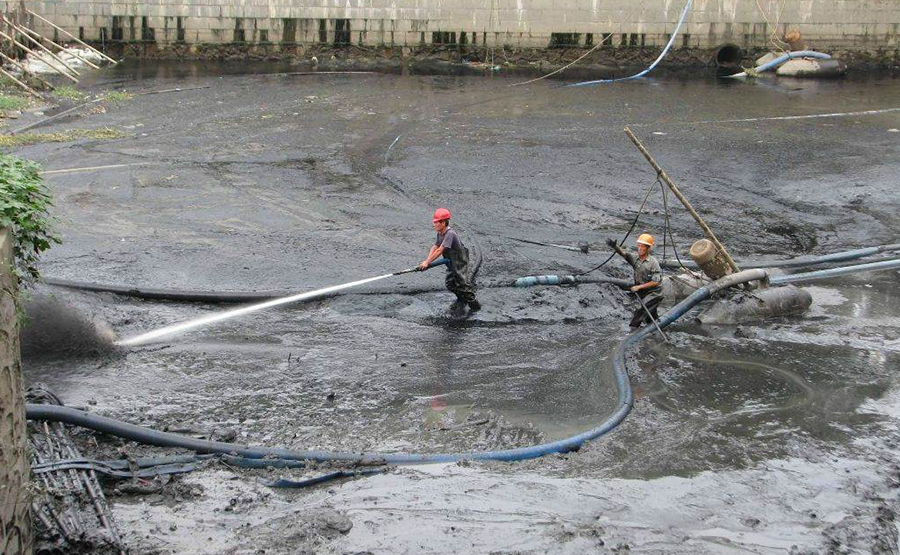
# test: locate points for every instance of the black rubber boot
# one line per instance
(457, 308)
(474, 305)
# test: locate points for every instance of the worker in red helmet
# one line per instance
(647, 279)
(449, 246)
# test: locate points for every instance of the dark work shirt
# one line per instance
(645, 270)
(448, 239)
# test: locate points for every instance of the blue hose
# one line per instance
(662, 55)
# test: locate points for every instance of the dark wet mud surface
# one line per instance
(767, 438)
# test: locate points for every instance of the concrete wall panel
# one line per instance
(864, 24)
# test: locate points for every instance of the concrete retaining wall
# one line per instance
(867, 25)
(15, 514)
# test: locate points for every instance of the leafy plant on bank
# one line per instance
(24, 208)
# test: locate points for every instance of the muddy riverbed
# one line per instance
(775, 437)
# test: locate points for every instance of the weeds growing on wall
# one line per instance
(24, 208)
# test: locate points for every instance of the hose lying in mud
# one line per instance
(805, 261)
(834, 272)
(530, 281)
(623, 407)
(152, 467)
(236, 297)
(226, 297)
(662, 55)
(780, 60)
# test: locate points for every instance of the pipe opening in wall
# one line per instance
(288, 30)
(323, 31)
(341, 31)
(239, 35)
(147, 33)
(728, 55)
(117, 28)
(179, 33)
(564, 40)
(440, 37)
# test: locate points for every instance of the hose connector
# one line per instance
(530, 281)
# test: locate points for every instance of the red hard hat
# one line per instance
(441, 214)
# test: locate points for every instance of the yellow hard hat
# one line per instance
(645, 239)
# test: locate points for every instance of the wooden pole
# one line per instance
(30, 51)
(70, 35)
(42, 47)
(21, 84)
(72, 52)
(665, 177)
(25, 71)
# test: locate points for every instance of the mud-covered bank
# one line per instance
(280, 182)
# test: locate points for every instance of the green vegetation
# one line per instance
(25, 139)
(119, 96)
(10, 102)
(69, 93)
(24, 205)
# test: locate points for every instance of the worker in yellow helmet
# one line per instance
(647, 279)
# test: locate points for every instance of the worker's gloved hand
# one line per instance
(611, 243)
(422, 267)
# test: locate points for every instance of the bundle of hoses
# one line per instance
(623, 407)
(268, 454)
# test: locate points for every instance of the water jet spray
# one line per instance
(229, 314)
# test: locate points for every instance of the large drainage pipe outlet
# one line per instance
(728, 55)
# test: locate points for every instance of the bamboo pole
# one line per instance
(24, 71)
(665, 177)
(62, 48)
(70, 35)
(30, 51)
(41, 46)
(21, 84)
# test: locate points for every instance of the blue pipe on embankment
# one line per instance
(782, 59)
